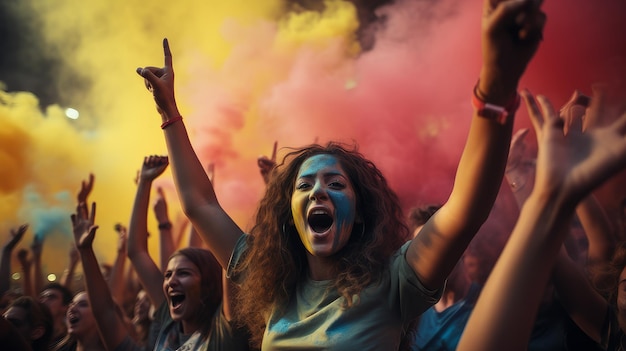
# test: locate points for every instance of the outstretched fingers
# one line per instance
(549, 113)
(536, 117)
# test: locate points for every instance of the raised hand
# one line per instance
(160, 82)
(15, 236)
(37, 246)
(22, 257)
(160, 207)
(153, 166)
(512, 31)
(83, 225)
(266, 165)
(122, 236)
(572, 165)
(73, 255)
(517, 151)
(573, 111)
(85, 189)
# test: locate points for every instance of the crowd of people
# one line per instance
(334, 262)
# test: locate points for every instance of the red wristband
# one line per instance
(493, 112)
(171, 121)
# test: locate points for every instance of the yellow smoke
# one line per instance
(228, 55)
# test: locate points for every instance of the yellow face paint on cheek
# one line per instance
(299, 221)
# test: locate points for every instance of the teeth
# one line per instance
(318, 212)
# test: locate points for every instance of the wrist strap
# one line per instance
(171, 121)
(493, 112)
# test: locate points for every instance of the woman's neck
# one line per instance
(189, 327)
(320, 268)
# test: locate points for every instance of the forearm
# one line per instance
(137, 242)
(194, 239)
(38, 277)
(166, 244)
(195, 190)
(585, 306)
(444, 238)
(116, 280)
(27, 282)
(521, 180)
(192, 183)
(598, 229)
(68, 275)
(137, 245)
(111, 327)
(480, 172)
(517, 282)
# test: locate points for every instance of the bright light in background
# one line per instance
(52, 277)
(15, 276)
(71, 113)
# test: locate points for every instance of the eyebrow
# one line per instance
(327, 174)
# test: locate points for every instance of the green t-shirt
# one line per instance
(315, 320)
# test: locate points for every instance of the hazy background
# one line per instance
(395, 77)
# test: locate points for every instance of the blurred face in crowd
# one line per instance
(18, 317)
(53, 298)
(80, 320)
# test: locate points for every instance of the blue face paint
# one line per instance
(323, 184)
(345, 213)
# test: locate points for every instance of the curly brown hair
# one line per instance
(276, 258)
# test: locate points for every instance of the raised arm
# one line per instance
(195, 190)
(569, 167)
(36, 248)
(194, 239)
(68, 274)
(596, 223)
(117, 278)
(26, 264)
(520, 169)
(511, 33)
(166, 240)
(5, 263)
(267, 164)
(110, 325)
(148, 272)
(585, 306)
(599, 230)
